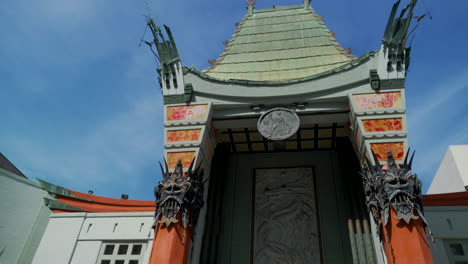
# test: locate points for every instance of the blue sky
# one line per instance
(80, 106)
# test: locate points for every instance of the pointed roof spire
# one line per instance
(306, 4)
(250, 6)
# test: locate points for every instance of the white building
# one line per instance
(452, 175)
(446, 207)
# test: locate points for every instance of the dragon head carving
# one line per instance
(395, 187)
(179, 193)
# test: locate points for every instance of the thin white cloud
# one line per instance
(437, 121)
(50, 38)
(432, 100)
(125, 141)
(117, 150)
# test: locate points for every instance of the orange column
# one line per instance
(171, 244)
(406, 243)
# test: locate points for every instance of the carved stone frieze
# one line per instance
(178, 195)
(285, 217)
(278, 123)
(395, 187)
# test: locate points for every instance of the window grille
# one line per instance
(121, 253)
(457, 251)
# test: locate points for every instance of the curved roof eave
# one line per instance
(350, 65)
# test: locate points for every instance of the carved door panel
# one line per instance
(285, 228)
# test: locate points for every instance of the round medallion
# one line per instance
(278, 123)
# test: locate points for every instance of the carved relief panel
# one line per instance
(285, 228)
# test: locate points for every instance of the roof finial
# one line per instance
(306, 4)
(251, 6)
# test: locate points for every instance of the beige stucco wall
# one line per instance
(77, 237)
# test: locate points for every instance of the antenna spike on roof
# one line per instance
(251, 6)
(306, 4)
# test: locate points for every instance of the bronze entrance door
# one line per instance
(285, 207)
(285, 228)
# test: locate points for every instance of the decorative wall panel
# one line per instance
(378, 100)
(380, 125)
(381, 150)
(285, 217)
(183, 135)
(186, 112)
(185, 157)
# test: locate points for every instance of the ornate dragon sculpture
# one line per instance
(167, 49)
(396, 35)
(396, 187)
(178, 195)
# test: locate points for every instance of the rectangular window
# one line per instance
(121, 253)
(457, 250)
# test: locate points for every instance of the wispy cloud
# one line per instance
(436, 119)
(83, 103)
(119, 146)
(433, 100)
(82, 107)
(116, 151)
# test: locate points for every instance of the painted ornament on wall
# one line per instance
(185, 157)
(380, 125)
(186, 112)
(381, 150)
(278, 124)
(378, 101)
(183, 135)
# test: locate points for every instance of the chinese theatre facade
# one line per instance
(303, 145)
(288, 149)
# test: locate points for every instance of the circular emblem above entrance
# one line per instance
(278, 123)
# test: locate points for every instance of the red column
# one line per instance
(406, 243)
(171, 244)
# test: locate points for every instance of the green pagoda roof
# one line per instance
(277, 44)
